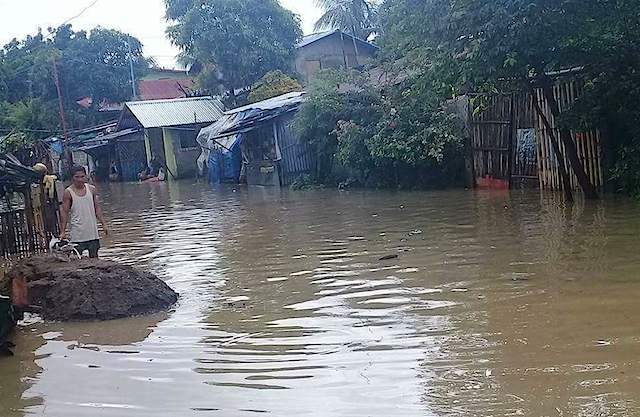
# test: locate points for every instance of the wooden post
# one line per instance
(67, 153)
(512, 127)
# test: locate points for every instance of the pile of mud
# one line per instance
(90, 289)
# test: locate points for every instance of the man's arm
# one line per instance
(64, 214)
(99, 216)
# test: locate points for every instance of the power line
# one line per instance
(81, 12)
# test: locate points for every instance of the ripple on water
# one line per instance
(285, 309)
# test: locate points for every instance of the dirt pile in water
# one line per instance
(91, 289)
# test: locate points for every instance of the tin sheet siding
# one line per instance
(297, 157)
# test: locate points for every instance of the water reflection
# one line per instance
(486, 304)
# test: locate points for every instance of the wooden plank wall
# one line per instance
(588, 143)
(525, 170)
(490, 123)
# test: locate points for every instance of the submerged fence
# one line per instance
(28, 220)
(511, 146)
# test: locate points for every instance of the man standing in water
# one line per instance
(80, 205)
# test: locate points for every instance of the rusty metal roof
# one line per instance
(165, 88)
(172, 112)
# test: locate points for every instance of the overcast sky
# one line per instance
(143, 19)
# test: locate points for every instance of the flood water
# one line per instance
(497, 305)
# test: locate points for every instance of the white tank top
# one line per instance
(84, 224)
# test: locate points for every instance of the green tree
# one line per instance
(237, 41)
(378, 133)
(93, 64)
(273, 84)
(515, 44)
(357, 17)
(326, 106)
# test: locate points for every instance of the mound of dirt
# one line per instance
(91, 289)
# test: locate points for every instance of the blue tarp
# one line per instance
(222, 139)
(225, 160)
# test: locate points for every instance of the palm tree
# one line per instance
(351, 16)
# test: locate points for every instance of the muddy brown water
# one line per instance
(497, 305)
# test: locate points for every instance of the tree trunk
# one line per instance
(570, 147)
(355, 45)
(566, 183)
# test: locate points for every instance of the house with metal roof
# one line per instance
(331, 49)
(257, 143)
(170, 128)
(164, 83)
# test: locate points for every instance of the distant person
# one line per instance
(154, 167)
(80, 206)
(114, 175)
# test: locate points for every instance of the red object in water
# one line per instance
(19, 292)
(490, 183)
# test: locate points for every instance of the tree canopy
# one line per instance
(273, 84)
(437, 50)
(92, 65)
(357, 17)
(236, 41)
(505, 45)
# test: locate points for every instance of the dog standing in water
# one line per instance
(80, 205)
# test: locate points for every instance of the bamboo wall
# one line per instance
(497, 162)
(491, 138)
(588, 144)
(496, 157)
(27, 230)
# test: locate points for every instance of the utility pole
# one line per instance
(133, 79)
(67, 153)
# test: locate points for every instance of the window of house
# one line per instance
(187, 138)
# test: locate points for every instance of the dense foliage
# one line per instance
(273, 84)
(235, 41)
(93, 66)
(520, 44)
(398, 136)
(439, 50)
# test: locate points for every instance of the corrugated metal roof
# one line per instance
(165, 88)
(175, 112)
(309, 39)
(287, 99)
(249, 117)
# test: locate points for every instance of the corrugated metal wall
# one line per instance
(297, 157)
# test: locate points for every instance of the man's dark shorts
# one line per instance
(91, 245)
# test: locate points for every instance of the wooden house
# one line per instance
(332, 49)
